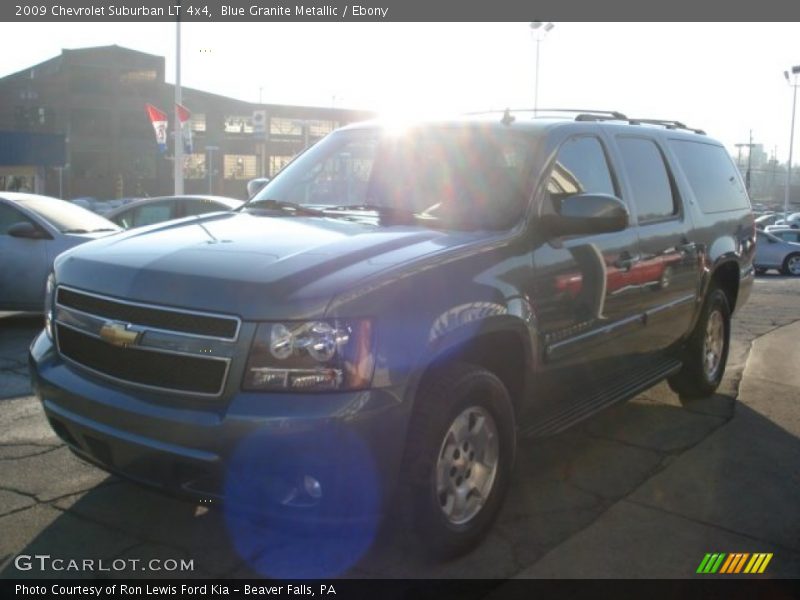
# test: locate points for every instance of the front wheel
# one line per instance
(791, 265)
(458, 461)
(706, 353)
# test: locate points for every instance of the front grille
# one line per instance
(172, 320)
(172, 372)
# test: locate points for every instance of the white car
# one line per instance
(33, 231)
(774, 253)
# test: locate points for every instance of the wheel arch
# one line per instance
(501, 345)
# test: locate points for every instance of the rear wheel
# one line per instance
(458, 461)
(706, 353)
(791, 265)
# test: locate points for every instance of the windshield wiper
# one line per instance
(270, 203)
(103, 229)
(74, 231)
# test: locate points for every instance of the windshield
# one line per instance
(462, 178)
(68, 218)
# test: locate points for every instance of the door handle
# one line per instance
(626, 260)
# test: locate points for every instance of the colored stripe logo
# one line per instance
(736, 562)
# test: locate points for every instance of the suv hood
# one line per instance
(255, 266)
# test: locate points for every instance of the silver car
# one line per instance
(774, 253)
(33, 231)
(166, 208)
(787, 234)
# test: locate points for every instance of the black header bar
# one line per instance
(393, 10)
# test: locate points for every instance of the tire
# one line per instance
(791, 265)
(706, 352)
(463, 419)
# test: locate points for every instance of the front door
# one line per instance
(588, 308)
(23, 265)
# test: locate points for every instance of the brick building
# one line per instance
(95, 98)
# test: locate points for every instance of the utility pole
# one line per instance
(749, 147)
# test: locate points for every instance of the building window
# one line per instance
(240, 166)
(138, 76)
(198, 122)
(297, 127)
(283, 126)
(238, 124)
(319, 129)
(276, 163)
(195, 166)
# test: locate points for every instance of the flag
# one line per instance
(160, 123)
(186, 131)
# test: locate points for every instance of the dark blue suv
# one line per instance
(374, 330)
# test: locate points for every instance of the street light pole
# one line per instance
(539, 30)
(795, 71)
(210, 167)
(177, 128)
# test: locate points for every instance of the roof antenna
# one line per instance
(508, 118)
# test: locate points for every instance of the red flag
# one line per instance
(183, 116)
(160, 123)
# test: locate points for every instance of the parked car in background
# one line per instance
(774, 253)
(787, 235)
(167, 208)
(768, 219)
(782, 226)
(254, 185)
(33, 231)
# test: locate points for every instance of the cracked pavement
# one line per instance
(644, 489)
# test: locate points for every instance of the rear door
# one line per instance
(666, 272)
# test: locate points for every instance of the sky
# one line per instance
(725, 78)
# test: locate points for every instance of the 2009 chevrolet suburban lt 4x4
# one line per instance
(401, 305)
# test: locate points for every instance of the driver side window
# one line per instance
(580, 167)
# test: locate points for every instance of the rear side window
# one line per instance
(712, 176)
(649, 179)
(153, 213)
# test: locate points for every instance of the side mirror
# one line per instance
(587, 214)
(254, 185)
(27, 230)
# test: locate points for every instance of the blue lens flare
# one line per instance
(281, 529)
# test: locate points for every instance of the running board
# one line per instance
(566, 416)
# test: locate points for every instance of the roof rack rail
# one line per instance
(669, 124)
(589, 115)
(585, 114)
(610, 113)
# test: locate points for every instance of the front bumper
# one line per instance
(257, 451)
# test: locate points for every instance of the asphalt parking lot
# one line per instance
(644, 489)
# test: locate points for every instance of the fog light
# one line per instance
(313, 487)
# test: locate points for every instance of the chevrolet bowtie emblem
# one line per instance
(118, 334)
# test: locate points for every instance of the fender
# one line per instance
(452, 342)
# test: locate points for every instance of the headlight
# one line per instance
(311, 356)
(49, 293)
